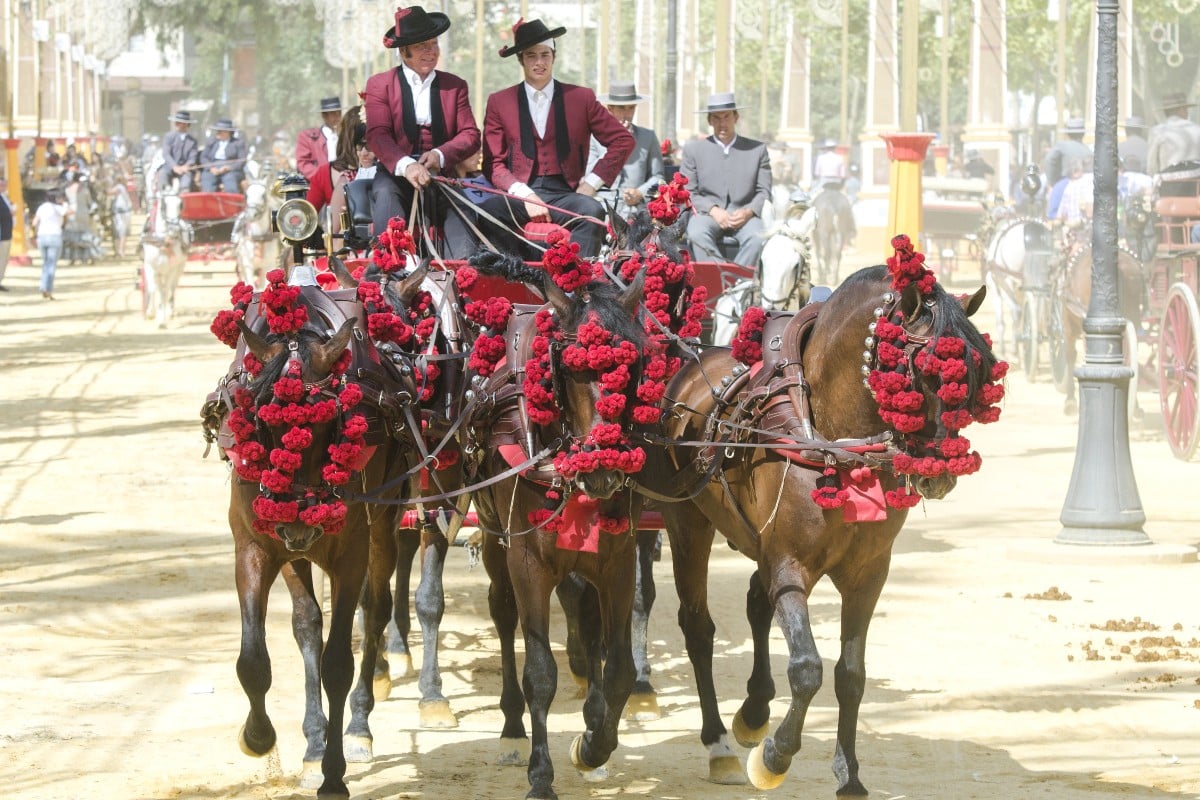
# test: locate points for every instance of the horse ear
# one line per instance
(971, 304)
(910, 302)
(557, 297)
(344, 278)
(619, 225)
(329, 352)
(631, 298)
(412, 284)
(263, 350)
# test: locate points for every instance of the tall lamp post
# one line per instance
(1102, 505)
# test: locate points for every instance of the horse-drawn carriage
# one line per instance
(953, 211)
(1040, 275)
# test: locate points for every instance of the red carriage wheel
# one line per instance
(1178, 381)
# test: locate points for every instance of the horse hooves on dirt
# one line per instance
(590, 774)
(247, 749)
(745, 735)
(759, 775)
(381, 688)
(311, 776)
(643, 707)
(437, 714)
(726, 771)
(336, 792)
(357, 749)
(400, 665)
(514, 752)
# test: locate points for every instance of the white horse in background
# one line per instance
(165, 243)
(783, 275)
(1008, 270)
(256, 249)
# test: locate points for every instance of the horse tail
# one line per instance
(507, 266)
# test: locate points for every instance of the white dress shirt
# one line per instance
(331, 138)
(724, 147)
(422, 93)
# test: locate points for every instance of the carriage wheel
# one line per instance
(1178, 381)
(1059, 369)
(1030, 333)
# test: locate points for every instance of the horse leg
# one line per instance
(337, 664)
(307, 623)
(255, 572)
(431, 605)
(752, 720)
(582, 648)
(502, 605)
(398, 655)
(374, 684)
(532, 583)
(859, 593)
(1071, 332)
(691, 535)
(643, 702)
(768, 763)
(604, 708)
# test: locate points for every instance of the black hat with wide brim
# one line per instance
(527, 34)
(415, 25)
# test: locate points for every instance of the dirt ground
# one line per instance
(1000, 666)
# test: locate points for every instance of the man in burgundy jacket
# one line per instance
(316, 147)
(419, 119)
(535, 144)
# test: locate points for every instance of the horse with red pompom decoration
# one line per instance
(824, 426)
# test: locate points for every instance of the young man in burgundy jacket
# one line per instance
(419, 119)
(535, 144)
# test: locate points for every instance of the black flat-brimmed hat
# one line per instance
(722, 101)
(415, 25)
(621, 94)
(330, 104)
(1175, 100)
(182, 116)
(527, 34)
(223, 124)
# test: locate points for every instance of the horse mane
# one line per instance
(509, 267)
(261, 386)
(670, 238)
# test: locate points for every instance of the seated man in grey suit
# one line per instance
(643, 172)
(729, 177)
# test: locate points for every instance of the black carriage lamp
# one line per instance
(296, 219)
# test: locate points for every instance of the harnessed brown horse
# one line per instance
(307, 410)
(530, 550)
(779, 436)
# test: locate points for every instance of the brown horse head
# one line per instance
(616, 311)
(844, 346)
(308, 356)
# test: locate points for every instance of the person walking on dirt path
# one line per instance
(6, 230)
(48, 223)
(535, 138)
(730, 180)
(419, 120)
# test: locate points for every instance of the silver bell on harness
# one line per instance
(296, 218)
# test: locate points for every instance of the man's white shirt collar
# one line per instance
(723, 146)
(541, 113)
(421, 93)
(331, 138)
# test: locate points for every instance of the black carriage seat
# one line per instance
(356, 224)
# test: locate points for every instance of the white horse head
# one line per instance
(257, 247)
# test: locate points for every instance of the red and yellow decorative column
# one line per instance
(906, 151)
(18, 253)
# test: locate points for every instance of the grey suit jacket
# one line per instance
(741, 179)
(643, 171)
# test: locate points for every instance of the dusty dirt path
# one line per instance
(120, 625)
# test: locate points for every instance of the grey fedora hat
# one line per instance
(621, 93)
(721, 101)
(182, 116)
